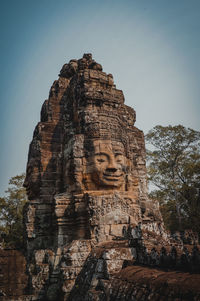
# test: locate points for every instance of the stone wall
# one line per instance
(100, 277)
(13, 277)
(103, 279)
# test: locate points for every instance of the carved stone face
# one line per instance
(32, 180)
(108, 164)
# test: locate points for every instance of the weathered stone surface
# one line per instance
(139, 283)
(86, 175)
(13, 277)
(89, 219)
(96, 282)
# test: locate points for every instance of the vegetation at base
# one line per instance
(174, 172)
(11, 213)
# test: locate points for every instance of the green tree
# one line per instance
(11, 213)
(174, 173)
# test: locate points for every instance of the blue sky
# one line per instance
(152, 48)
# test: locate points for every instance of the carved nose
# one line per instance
(112, 169)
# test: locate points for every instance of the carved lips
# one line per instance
(111, 177)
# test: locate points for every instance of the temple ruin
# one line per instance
(92, 233)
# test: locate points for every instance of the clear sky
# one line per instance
(152, 47)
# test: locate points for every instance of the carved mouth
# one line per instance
(109, 177)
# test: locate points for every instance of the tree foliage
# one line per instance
(174, 172)
(11, 213)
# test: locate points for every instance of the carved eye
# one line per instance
(119, 158)
(100, 160)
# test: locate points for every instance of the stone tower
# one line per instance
(86, 183)
(85, 151)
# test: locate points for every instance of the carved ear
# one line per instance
(85, 175)
(127, 165)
